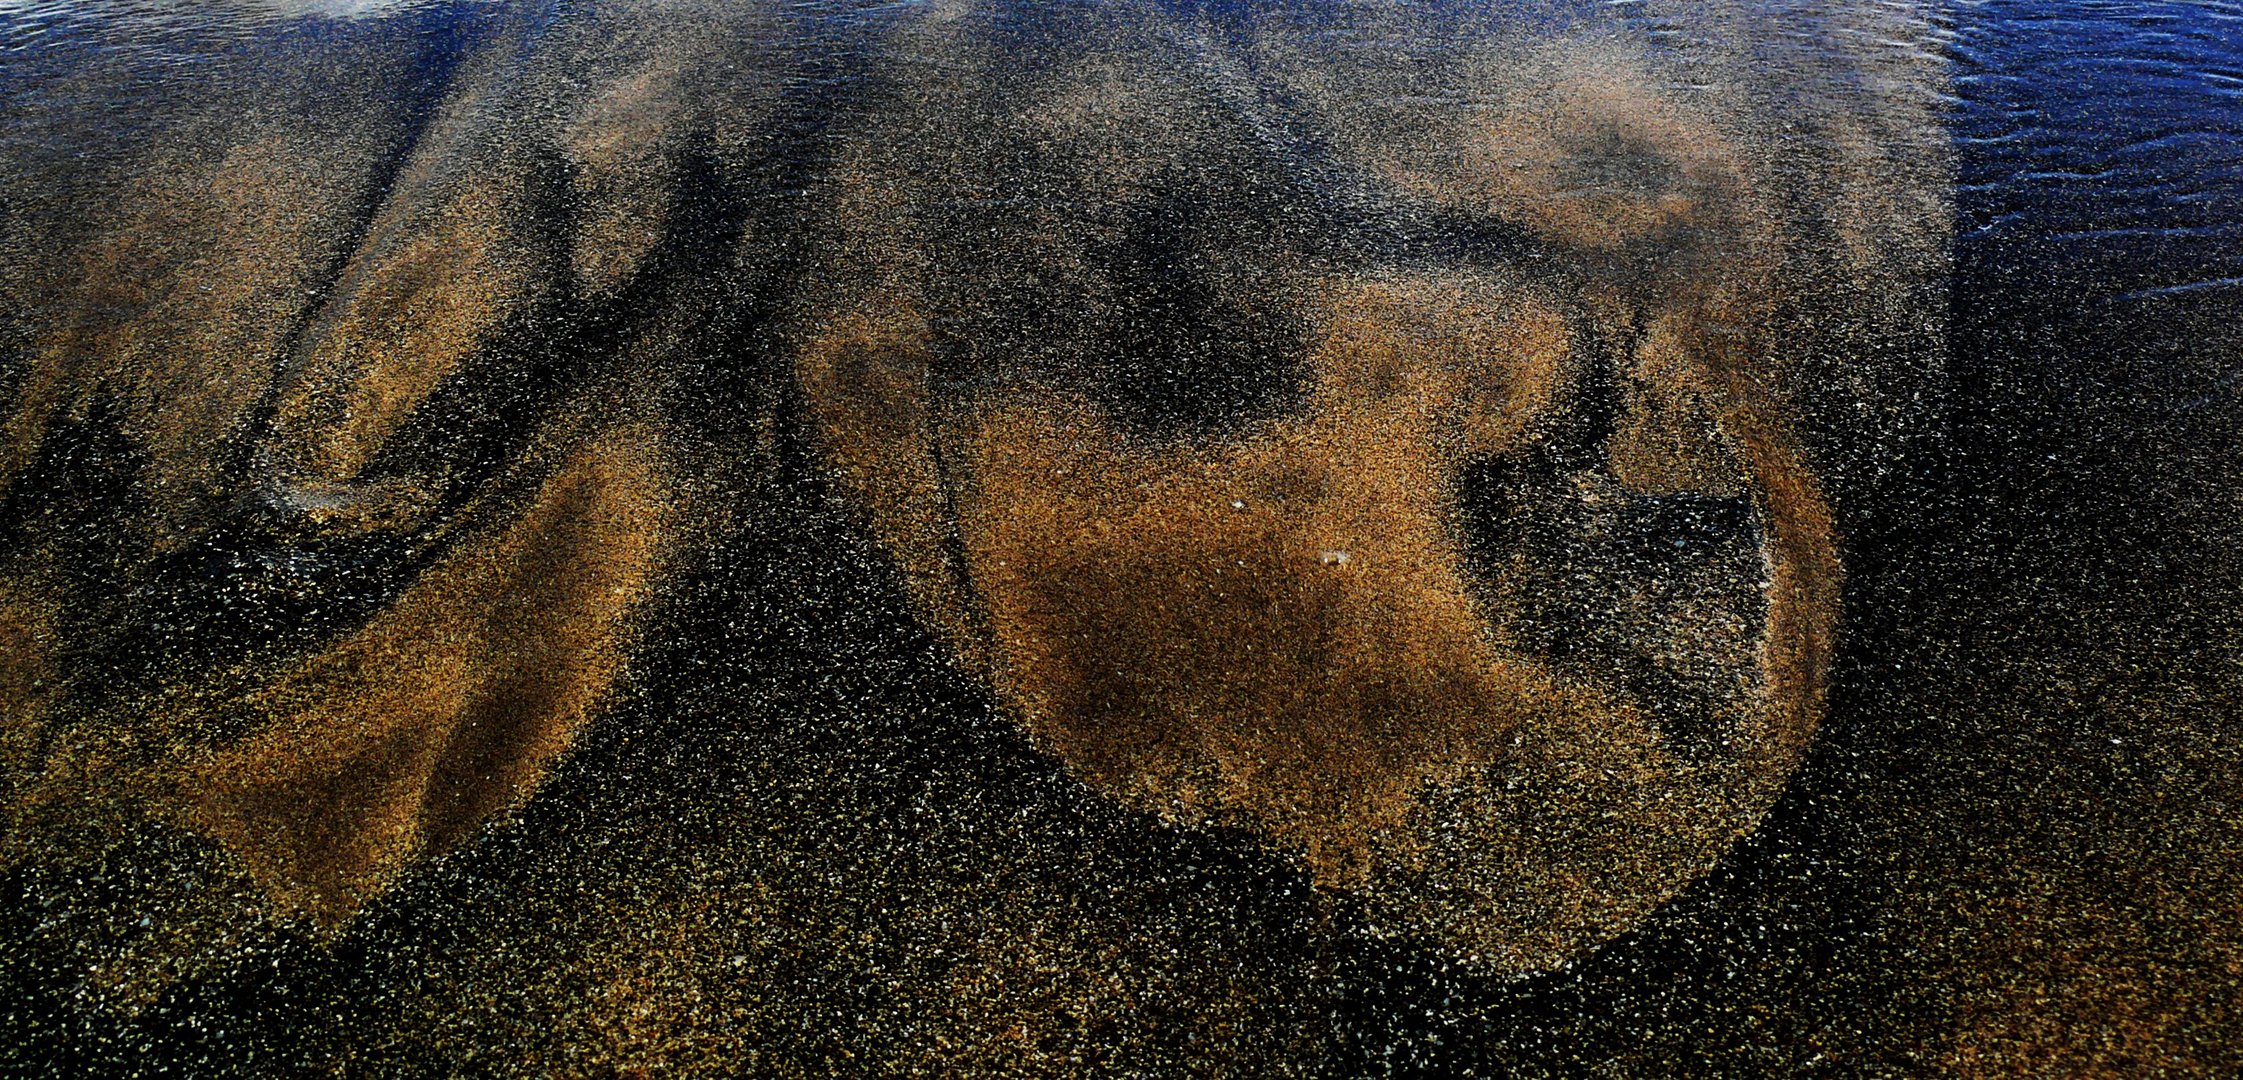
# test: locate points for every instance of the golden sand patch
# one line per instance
(446, 707)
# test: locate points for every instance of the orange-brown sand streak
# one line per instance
(401, 739)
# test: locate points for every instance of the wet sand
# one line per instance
(991, 539)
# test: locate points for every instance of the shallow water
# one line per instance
(1628, 538)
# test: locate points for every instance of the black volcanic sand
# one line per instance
(979, 539)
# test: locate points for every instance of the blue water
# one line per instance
(2102, 148)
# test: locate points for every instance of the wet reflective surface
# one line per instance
(811, 539)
